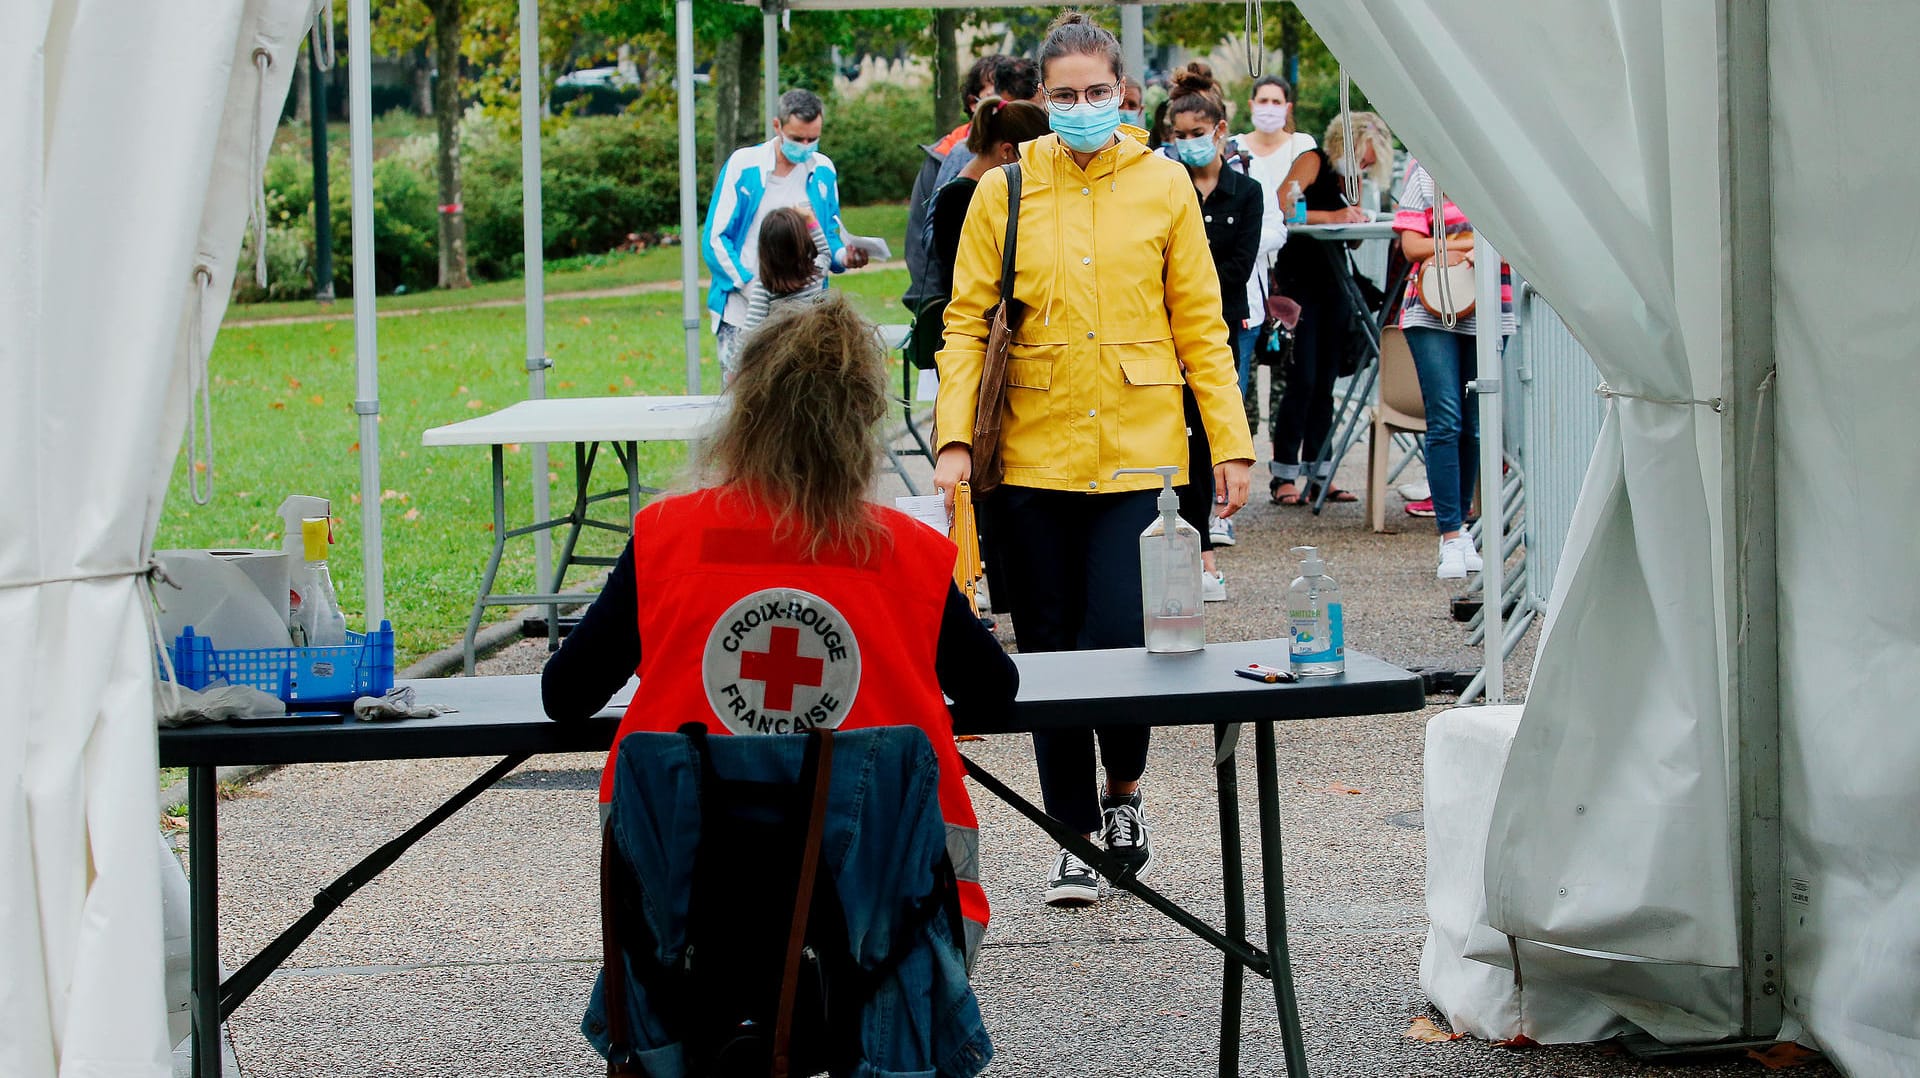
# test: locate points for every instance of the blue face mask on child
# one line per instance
(797, 152)
(1195, 152)
(1086, 128)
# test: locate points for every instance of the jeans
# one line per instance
(1246, 343)
(1073, 563)
(1305, 418)
(1445, 362)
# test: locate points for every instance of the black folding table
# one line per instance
(501, 716)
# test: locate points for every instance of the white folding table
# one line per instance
(621, 423)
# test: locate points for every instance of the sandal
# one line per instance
(1336, 494)
(1290, 498)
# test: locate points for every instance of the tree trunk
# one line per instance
(949, 107)
(1290, 23)
(302, 103)
(421, 71)
(736, 94)
(447, 17)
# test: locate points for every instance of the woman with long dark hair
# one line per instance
(1119, 313)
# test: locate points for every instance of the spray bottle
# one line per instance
(1313, 612)
(1169, 572)
(298, 508)
(320, 619)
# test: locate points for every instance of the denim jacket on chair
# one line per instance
(883, 835)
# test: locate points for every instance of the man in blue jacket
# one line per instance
(786, 170)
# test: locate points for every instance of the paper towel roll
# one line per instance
(226, 597)
(266, 568)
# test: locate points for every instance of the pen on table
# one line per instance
(1269, 674)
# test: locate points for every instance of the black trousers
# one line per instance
(1306, 407)
(1196, 498)
(1072, 564)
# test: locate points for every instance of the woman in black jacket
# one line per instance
(1231, 205)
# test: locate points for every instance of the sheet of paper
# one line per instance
(875, 246)
(928, 387)
(928, 509)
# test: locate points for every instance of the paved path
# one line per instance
(475, 953)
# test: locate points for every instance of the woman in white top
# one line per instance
(1268, 152)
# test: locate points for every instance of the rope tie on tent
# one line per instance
(1760, 399)
(153, 574)
(257, 168)
(323, 31)
(1256, 40)
(1718, 404)
(1449, 314)
(199, 394)
(1349, 154)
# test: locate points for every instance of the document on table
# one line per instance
(928, 509)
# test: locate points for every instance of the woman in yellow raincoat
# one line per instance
(1120, 310)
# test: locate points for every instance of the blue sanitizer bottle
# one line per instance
(1314, 618)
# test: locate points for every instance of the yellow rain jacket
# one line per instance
(1119, 294)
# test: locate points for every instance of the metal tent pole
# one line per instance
(1493, 521)
(770, 64)
(1132, 41)
(366, 351)
(1749, 504)
(534, 246)
(689, 218)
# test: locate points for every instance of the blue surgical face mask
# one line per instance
(1086, 128)
(797, 152)
(1195, 152)
(1136, 117)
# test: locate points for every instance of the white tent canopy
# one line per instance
(1704, 821)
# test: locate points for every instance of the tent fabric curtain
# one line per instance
(1844, 130)
(126, 166)
(1579, 139)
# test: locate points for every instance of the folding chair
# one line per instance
(1400, 410)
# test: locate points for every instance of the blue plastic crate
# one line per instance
(363, 666)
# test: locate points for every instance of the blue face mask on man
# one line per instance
(797, 152)
(1195, 152)
(1086, 128)
(1136, 117)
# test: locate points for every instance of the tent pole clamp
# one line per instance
(536, 364)
(1485, 386)
(371, 407)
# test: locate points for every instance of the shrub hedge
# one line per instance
(601, 177)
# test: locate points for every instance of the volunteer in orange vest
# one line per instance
(781, 600)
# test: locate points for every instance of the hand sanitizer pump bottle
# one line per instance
(320, 615)
(1170, 573)
(1313, 613)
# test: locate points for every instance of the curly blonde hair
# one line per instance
(802, 433)
(1368, 129)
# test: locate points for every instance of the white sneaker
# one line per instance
(1453, 561)
(1469, 554)
(1213, 587)
(1072, 882)
(1221, 531)
(980, 598)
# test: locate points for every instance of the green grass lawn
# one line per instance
(284, 424)
(583, 274)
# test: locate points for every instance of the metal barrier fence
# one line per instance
(1558, 423)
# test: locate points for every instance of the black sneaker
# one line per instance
(1072, 883)
(1124, 830)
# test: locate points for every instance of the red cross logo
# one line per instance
(781, 667)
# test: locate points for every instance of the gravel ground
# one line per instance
(474, 954)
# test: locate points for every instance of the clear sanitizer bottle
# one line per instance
(1313, 613)
(320, 618)
(1170, 573)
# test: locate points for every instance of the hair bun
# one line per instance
(1070, 18)
(1195, 78)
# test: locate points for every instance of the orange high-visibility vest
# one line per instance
(740, 630)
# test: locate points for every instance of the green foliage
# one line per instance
(874, 140)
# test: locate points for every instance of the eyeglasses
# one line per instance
(1095, 96)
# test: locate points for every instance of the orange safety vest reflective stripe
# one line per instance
(740, 630)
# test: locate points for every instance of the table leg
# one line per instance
(493, 560)
(1268, 770)
(203, 932)
(1226, 786)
